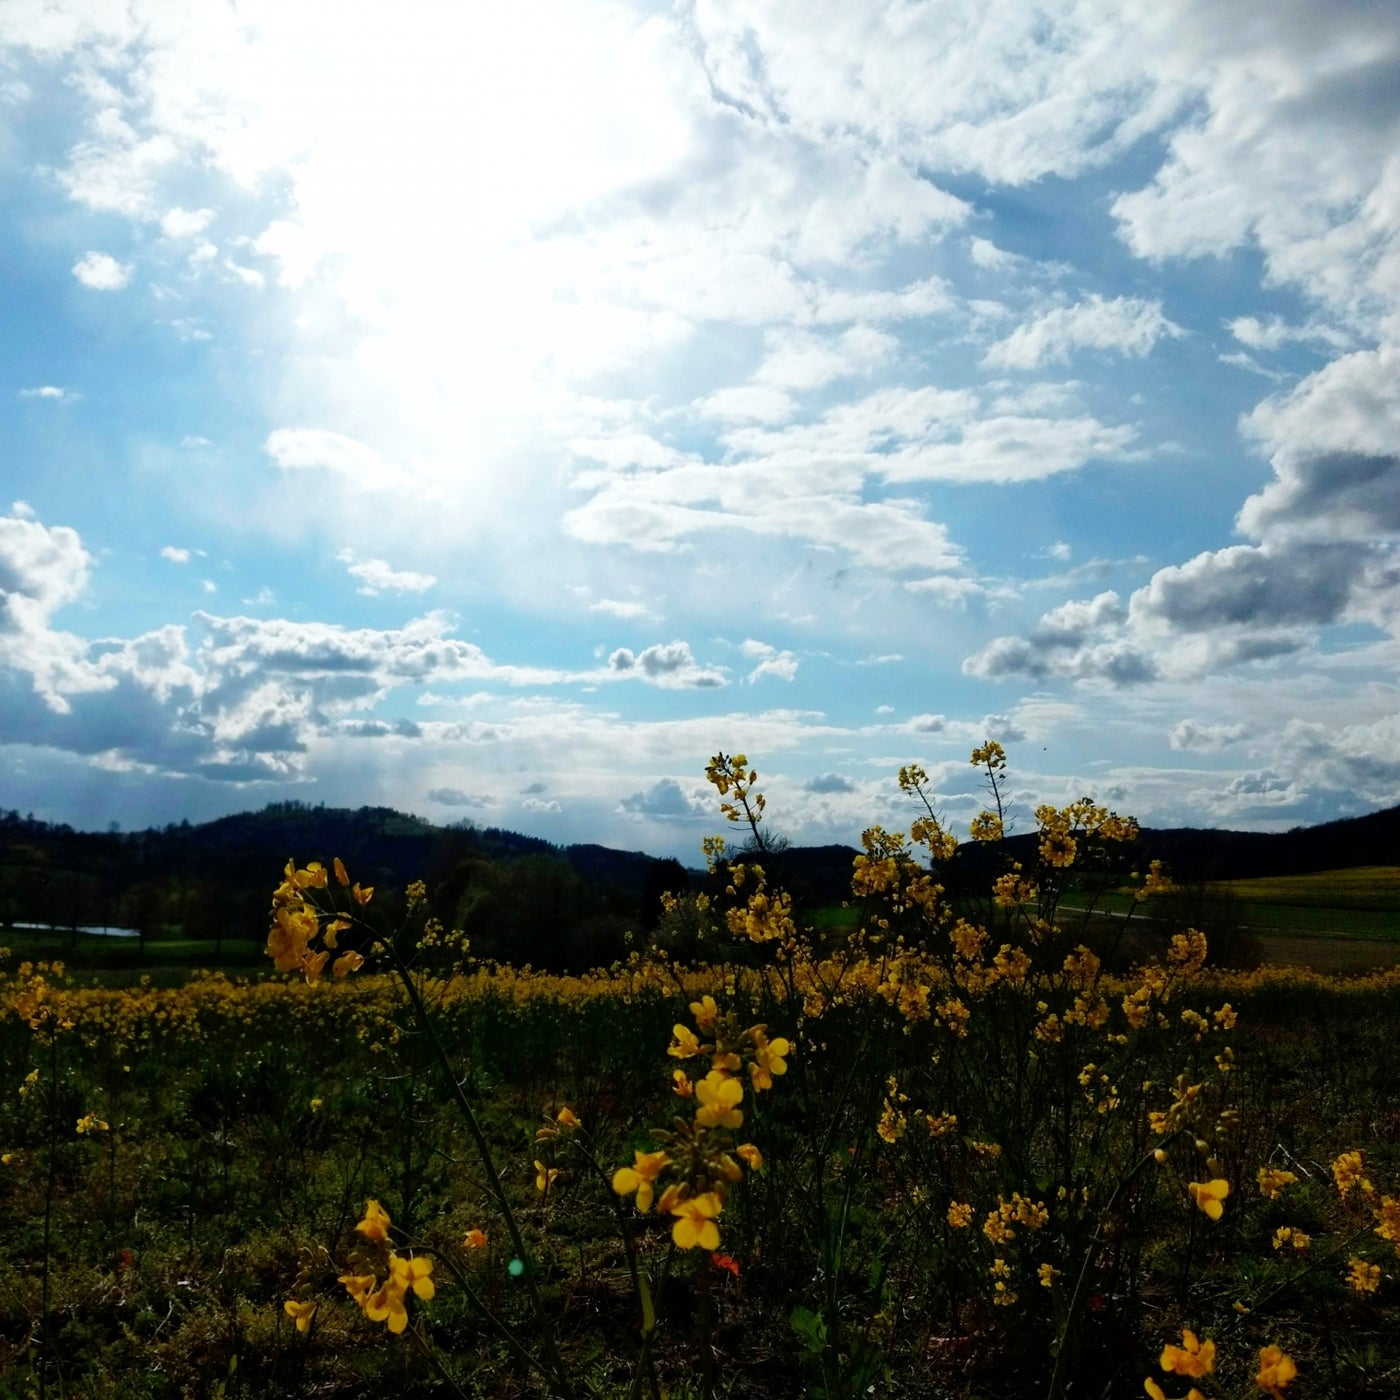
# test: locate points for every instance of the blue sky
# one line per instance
(495, 414)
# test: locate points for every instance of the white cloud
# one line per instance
(376, 576)
(185, 223)
(670, 666)
(318, 449)
(48, 391)
(101, 272)
(175, 554)
(666, 800)
(1190, 735)
(1127, 325)
(771, 662)
(628, 611)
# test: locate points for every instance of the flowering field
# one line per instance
(947, 1150)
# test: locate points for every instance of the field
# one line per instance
(914, 1153)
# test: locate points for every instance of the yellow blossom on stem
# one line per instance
(641, 1177)
(475, 1239)
(695, 1225)
(719, 1097)
(545, 1177)
(300, 1313)
(687, 1044)
(1276, 1369)
(375, 1225)
(1363, 1277)
(706, 1013)
(1192, 1358)
(1272, 1180)
(1209, 1195)
(1348, 1171)
(752, 1157)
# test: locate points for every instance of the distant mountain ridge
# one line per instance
(383, 846)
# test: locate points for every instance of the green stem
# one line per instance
(483, 1149)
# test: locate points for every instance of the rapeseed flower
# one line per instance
(375, 1225)
(1363, 1277)
(301, 1313)
(641, 1177)
(1276, 1369)
(695, 1225)
(1192, 1358)
(719, 1097)
(1208, 1195)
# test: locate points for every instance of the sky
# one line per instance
(494, 411)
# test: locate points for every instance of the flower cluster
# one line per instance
(297, 923)
(699, 1160)
(383, 1300)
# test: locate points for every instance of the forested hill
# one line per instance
(520, 896)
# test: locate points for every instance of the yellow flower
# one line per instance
(568, 1119)
(1276, 1369)
(706, 1013)
(375, 1225)
(768, 1059)
(363, 896)
(959, 1215)
(641, 1177)
(91, 1123)
(347, 963)
(476, 1239)
(414, 1274)
(317, 1105)
(1048, 1274)
(719, 1097)
(682, 1087)
(753, 1158)
(1192, 1358)
(687, 1044)
(359, 1287)
(1286, 1234)
(386, 1305)
(1209, 1195)
(340, 874)
(1348, 1172)
(1272, 1180)
(301, 1313)
(1363, 1277)
(545, 1177)
(695, 1222)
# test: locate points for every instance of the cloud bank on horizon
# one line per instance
(493, 415)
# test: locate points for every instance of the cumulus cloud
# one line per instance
(100, 272)
(670, 665)
(1190, 735)
(175, 554)
(828, 782)
(771, 661)
(667, 801)
(376, 576)
(455, 797)
(1127, 325)
(540, 805)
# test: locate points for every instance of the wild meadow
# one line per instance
(964, 1142)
